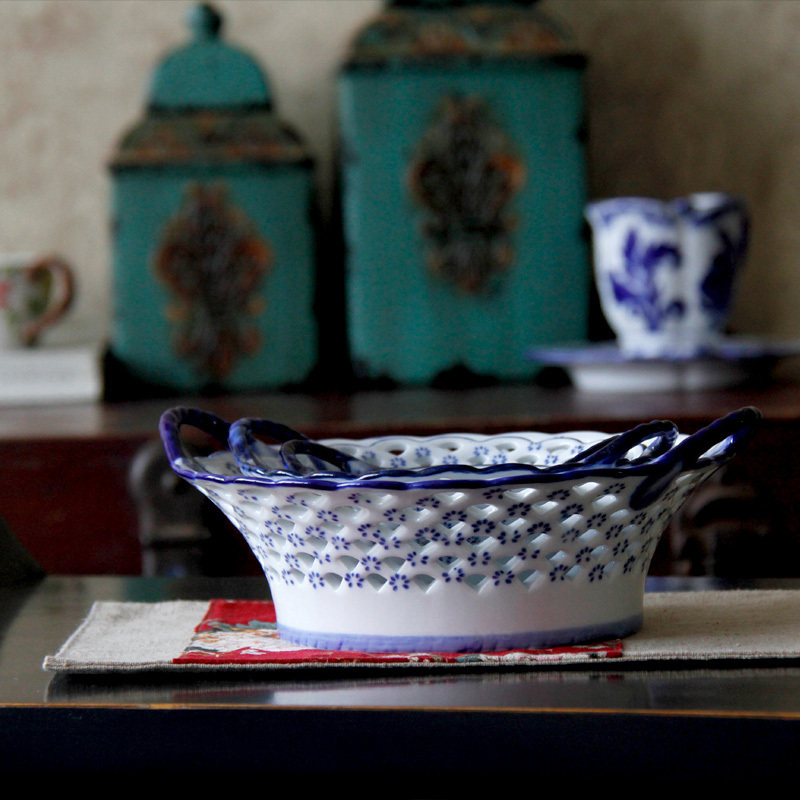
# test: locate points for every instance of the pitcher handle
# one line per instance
(732, 431)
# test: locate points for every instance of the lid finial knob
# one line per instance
(204, 21)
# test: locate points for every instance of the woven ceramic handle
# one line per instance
(245, 447)
(170, 426)
(613, 452)
(322, 458)
(733, 431)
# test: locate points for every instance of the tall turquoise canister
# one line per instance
(463, 175)
(213, 238)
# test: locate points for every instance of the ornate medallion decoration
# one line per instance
(465, 175)
(213, 260)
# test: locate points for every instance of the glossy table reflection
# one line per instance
(725, 722)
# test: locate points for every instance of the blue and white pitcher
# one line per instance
(665, 271)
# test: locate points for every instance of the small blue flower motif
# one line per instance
(613, 532)
(558, 495)
(451, 459)
(369, 455)
(422, 452)
(499, 458)
(287, 577)
(394, 515)
(295, 540)
(353, 581)
(570, 535)
(596, 573)
(293, 500)
(316, 580)
(397, 463)
(399, 582)
(629, 564)
(365, 530)
(371, 564)
(381, 540)
(415, 559)
(572, 508)
(596, 520)
(559, 573)
(480, 450)
(460, 537)
(269, 542)
(430, 502)
(423, 535)
(322, 558)
(493, 494)
(519, 510)
(340, 543)
(550, 459)
(451, 518)
(276, 512)
(292, 560)
(539, 528)
(639, 518)
(270, 526)
(456, 574)
(479, 559)
(616, 488)
(355, 498)
(483, 527)
(327, 516)
(584, 554)
(316, 531)
(503, 576)
(438, 536)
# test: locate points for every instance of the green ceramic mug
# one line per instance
(35, 292)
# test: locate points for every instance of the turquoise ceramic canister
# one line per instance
(463, 189)
(213, 241)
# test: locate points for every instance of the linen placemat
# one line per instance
(232, 634)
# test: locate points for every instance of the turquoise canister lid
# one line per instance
(429, 32)
(208, 103)
(208, 72)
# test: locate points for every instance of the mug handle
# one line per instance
(60, 298)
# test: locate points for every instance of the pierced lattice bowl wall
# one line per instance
(453, 543)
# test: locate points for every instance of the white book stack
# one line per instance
(50, 375)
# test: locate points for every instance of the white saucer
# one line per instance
(603, 367)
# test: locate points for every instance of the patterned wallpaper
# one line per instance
(682, 96)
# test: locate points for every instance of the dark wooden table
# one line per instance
(424, 734)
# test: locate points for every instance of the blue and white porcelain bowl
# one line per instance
(666, 271)
(458, 542)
